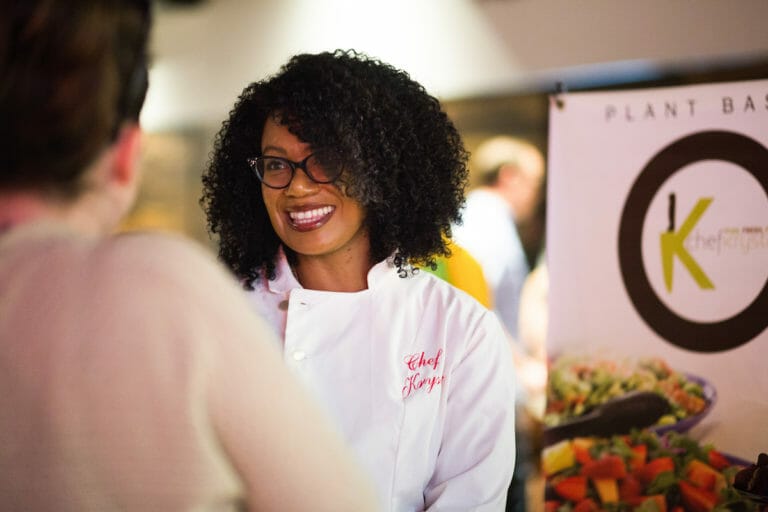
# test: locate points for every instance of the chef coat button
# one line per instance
(299, 355)
(283, 305)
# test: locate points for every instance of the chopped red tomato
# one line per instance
(701, 475)
(697, 499)
(639, 456)
(650, 471)
(630, 489)
(607, 466)
(586, 505)
(717, 460)
(572, 488)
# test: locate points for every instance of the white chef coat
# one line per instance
(418, 376)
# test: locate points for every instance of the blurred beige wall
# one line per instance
(205, 54)
(492, 63)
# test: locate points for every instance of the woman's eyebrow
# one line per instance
(274, 149)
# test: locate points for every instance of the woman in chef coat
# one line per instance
(330, 184)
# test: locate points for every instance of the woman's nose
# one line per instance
(301, 184)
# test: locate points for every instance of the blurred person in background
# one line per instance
(464, 272)
(133, 375)
(330, 183)
(510, 174)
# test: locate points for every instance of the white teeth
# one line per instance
(310, 216)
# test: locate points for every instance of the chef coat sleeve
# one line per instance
(477, 454)
(282, 446)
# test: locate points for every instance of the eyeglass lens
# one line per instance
(278, 172)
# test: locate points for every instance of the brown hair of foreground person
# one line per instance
(133, 375)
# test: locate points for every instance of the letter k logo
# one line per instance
(672, 245)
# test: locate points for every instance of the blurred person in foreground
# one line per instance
(125, 383)
(330, 183)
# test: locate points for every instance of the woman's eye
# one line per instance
(275, 165)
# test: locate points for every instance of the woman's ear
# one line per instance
(123, 175)
(125, 163)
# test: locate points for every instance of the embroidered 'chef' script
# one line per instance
(421, 377)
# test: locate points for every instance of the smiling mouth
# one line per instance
(310, 219)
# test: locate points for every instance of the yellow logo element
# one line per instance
(672, 245)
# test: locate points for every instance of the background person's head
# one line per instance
(404, 161)
(73, 76)
(515, 169)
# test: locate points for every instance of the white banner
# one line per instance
(657, 242)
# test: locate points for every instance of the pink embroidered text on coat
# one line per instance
(416, 381)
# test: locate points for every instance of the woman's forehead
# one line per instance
(279, 137)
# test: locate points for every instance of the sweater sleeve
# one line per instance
(275, 438)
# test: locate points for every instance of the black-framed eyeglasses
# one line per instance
(277, 172)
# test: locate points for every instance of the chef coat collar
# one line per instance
(285, 281)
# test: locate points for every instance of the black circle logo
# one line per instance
(695, 336)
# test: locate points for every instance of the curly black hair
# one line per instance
(404, 159)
